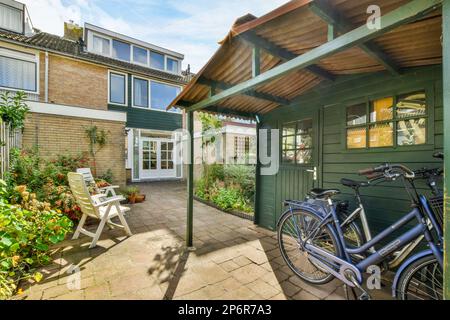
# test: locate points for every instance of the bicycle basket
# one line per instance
(437, 205)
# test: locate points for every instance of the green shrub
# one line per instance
(47, 179)
(25, 238)
(229, 186)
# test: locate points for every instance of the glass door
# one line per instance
(157, 158)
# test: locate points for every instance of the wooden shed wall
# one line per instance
(384, 203)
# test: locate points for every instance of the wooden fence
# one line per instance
(9, 139)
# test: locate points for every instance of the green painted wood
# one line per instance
(251, 93)
(446, 104)
(190, 182)
(404, 14)
(256, 61)
(282, 53)
(387, 201)
(336, 21)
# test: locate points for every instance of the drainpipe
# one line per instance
(46, 78)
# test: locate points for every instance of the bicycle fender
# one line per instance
(404, 265)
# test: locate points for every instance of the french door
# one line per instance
(157, 158)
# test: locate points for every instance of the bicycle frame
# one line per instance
(331, 262)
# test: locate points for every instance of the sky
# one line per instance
(191, 27)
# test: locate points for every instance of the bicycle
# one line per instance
(314, 237)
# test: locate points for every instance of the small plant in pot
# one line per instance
(132, 193)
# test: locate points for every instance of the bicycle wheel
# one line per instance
(301, 225)
(422, 280)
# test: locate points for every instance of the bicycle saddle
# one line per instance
(323, 193)
(353, 184)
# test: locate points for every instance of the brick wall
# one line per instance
(58, 135)
(74, 83)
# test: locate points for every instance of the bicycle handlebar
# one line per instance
(385, 167)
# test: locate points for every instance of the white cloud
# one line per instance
(193, 29)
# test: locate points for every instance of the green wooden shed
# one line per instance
(348, 84)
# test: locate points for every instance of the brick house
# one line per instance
(93, 76)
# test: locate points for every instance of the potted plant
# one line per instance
(140, 198)
(131, 193)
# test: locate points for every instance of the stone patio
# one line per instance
(234, 259)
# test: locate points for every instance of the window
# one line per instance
(117, 88)
(297, 142)
(382, 121)
(140, 55)
(11, 18)
(172, 65)
(101, 45)
(18, 73)
(156, 60)
(162, 94)
(140, 93)
(121, 50)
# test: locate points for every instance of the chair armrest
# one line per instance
(110, 200)
(109, 187)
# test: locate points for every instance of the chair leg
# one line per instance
(122, 220)
(100, 228)
(79, 227)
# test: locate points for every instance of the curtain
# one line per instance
(140, 93)
(17, 74)
(11, 18)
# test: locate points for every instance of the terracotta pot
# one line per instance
(132, 198)
(140, 198)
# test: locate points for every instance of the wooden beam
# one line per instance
(281, 53)
(190, 181)
(329, 15)
(250, 93)
(256, 61)
(230, 112)
(404, 14)
(446, 92)
(331, 34)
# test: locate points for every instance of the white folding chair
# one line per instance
(98, 206)
(90, 181)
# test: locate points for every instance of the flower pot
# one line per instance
(132, 198)
(140, 198)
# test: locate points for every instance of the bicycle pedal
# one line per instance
(365, 296)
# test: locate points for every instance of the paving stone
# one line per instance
(248, 273)
(229, 265)
(263, 289)
(304, 295)
(242, 261)
(289, 289)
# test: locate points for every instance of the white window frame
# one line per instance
(132, 92)
(137, 62)
(22, 13)
(150, 96)
(173, 58)
(103, 37)
(109, 88)
(24, 56)
(131, 50)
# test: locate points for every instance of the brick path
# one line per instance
(234, 259)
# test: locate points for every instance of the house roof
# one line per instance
(57, 44)
(297, 28)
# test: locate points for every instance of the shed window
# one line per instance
(297, 142)
(388, 122)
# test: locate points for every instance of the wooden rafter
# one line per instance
(404, 14)
(282, 53)
(332, 17)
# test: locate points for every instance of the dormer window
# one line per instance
(172, 65)
(156, 61)
(140, 55)
(121, 50)
(11, 18)
(117, 46)
(101, 45)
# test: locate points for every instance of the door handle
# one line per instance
(314, 172)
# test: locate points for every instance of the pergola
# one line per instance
(268, 62)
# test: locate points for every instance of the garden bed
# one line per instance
(240, 214)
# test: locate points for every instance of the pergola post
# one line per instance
(190, 180)
(446, 92)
